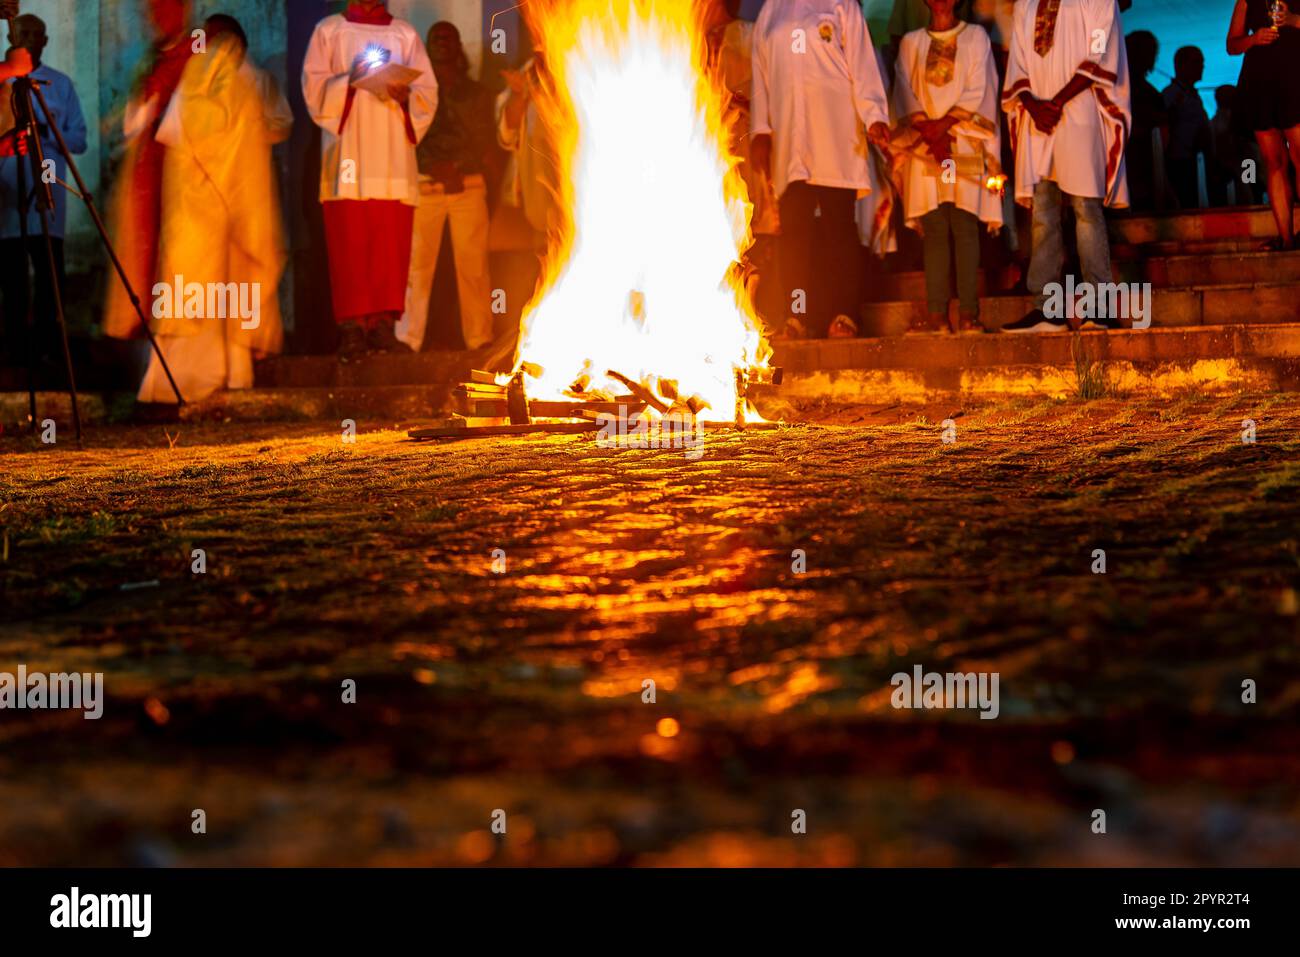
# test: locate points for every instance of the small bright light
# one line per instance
(667, 727)
(376, 56)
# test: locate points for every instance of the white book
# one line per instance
(378, 79)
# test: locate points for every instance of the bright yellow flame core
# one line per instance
(654, 213)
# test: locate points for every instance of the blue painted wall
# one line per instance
(1204, 24)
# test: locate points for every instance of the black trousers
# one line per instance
(819, 256)
(19, 293)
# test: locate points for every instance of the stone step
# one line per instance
(915, 367)
(377, 406)
(1124, 252)
(928, 365)
(1232, 222)
(1224, 304)
(288, 372)
(388, 403)
(941, 350)
(1163, 272)
(1236, 268)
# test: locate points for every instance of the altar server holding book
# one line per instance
(369, 177)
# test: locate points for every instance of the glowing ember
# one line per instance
(654, 214)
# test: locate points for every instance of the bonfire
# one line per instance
(641, 290)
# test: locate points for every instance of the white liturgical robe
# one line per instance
(1051, 41)
(817, 89)
(374, 155)
(942, 74)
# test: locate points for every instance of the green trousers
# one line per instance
(964, 228)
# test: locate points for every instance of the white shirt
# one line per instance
(374, 158)
(817, 89)
(1084, 153)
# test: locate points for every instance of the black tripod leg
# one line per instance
(23, 200)
(63, 326)
(107, 243)
(44, 204)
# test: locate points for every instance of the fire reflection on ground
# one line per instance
(524, 689)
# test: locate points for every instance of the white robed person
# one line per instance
(1067, 101)
(819, 100)
(221, 250)
(945, 145)
(369, 86)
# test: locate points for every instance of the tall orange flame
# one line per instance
(653, 216)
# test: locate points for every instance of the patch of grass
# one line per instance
(327, 458)
(206, 471)
(437, 512)
(119, 407)
(75, 530)
(1090, 376)
(1281, 483)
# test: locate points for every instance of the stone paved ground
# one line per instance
(522, 690)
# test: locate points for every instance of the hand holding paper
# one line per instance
(374, 72)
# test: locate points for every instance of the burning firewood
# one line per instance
(542, 409)
(640, 391)
(517, 400)
(443, 430)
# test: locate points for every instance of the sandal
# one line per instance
(794, 329)
(842, 327)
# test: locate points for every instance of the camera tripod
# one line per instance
(27, 141)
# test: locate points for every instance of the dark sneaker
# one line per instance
(1035, 321)
(352, 341)
(380, 338)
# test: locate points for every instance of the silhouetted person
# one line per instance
(1189, 126)
(1149, 115)
(1234, 152)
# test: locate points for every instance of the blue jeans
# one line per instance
(1049, 244)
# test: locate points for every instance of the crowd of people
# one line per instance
(974, 108)
(1046, 99)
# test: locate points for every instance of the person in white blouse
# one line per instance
(818, 101)
(946, 145)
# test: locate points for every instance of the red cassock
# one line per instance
(369, 244)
